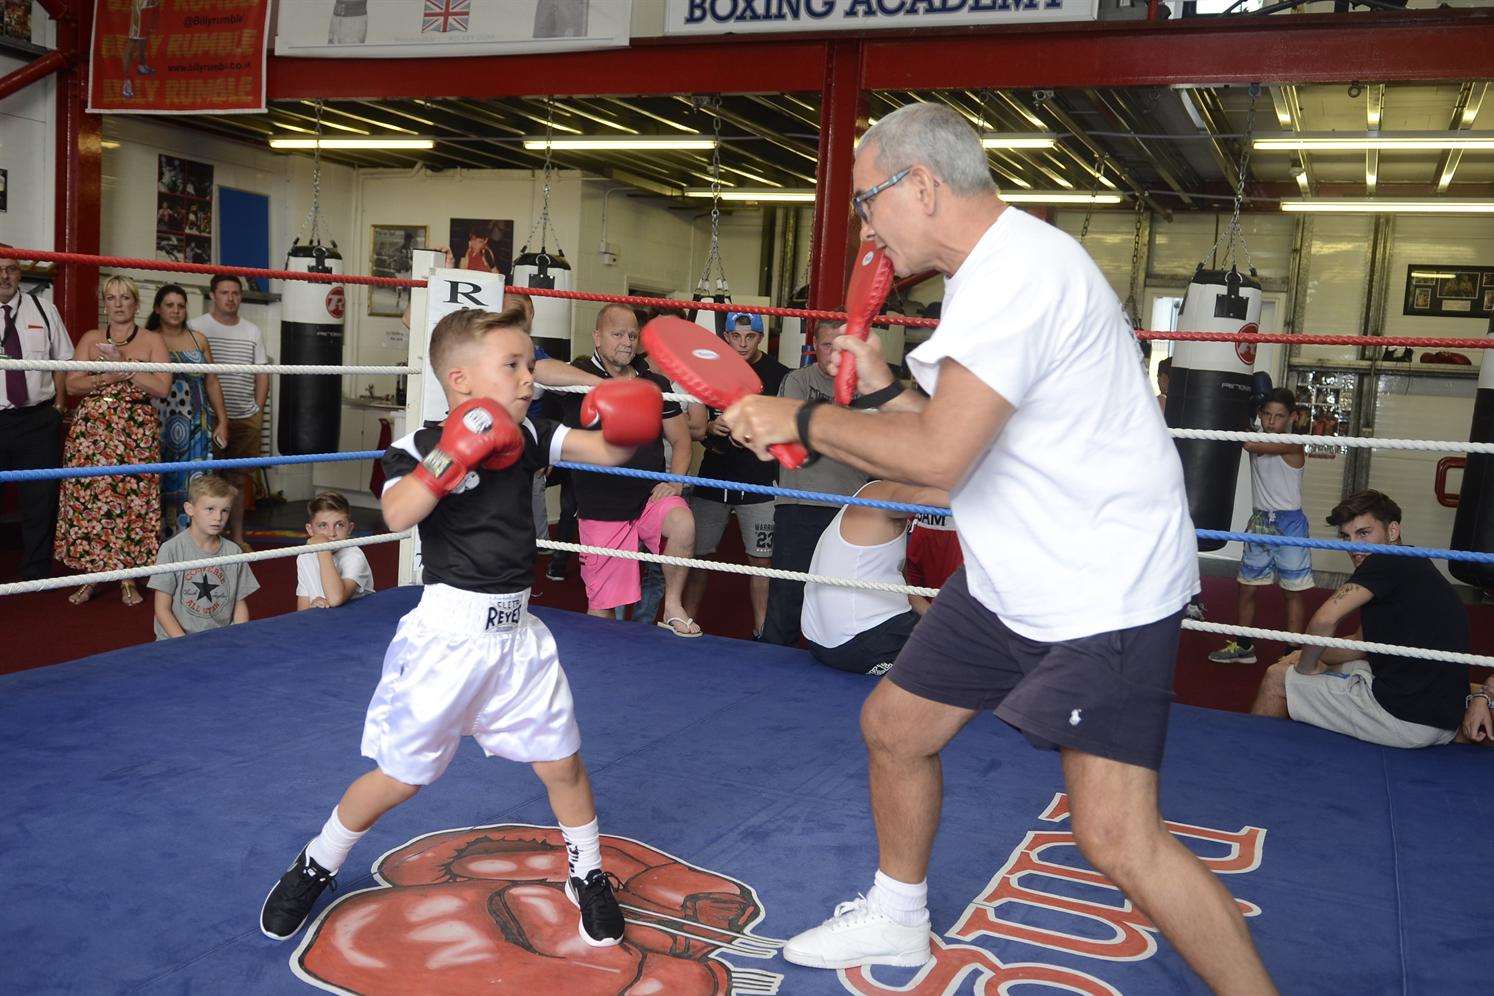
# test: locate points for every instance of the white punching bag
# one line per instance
(552, 315)
(712, 321)
(1210, 388)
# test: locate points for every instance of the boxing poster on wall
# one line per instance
(482, 244)
(1449, 291)
(391, 250)
(184, 210)
(174, 57)
(404, 29)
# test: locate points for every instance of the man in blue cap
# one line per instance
(725, 460)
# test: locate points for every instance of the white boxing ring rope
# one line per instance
(414, 368)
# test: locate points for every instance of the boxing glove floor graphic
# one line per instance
(484, 909)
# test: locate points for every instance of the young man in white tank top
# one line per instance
(1276, 486)
(854, 629)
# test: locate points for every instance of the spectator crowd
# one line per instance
(103, 523)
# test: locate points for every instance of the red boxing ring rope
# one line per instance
(126, 262)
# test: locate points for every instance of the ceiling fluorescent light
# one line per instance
(352, 143)
(1017, 140)
(1405, 141)
(1058, 197)
(624, 143)
(804, 196)
(1387, 205)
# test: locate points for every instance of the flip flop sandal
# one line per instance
(669, 625)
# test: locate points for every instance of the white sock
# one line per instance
(331, 846)
(898, 901)
(583, 849)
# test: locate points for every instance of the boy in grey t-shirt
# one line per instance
(203, 597)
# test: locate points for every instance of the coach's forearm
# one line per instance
(888, 445)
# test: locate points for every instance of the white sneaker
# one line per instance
(858, 935)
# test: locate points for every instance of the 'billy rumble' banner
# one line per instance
(178, 56)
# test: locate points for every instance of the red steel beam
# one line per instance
(1306, 48)
(31, 72)
(79, 181)
(842, 116)
(713, 67)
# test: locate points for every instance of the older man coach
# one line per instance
(1080, 555)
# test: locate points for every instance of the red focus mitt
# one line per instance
(630, 412)
(871, 280)
(478, 432)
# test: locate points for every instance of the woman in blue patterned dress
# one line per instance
(192, 414)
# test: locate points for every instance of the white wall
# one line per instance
(28, 140)
(660, 246)
(433, 199)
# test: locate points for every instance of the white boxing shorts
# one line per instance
(464, 663)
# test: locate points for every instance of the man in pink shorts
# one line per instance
(623, 512)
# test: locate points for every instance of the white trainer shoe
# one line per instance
(858, 935)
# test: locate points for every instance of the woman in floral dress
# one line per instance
(108, 523)
(192, 415)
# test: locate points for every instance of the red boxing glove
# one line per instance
(630, 412)
(477, 432)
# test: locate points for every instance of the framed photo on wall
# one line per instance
(184, 210)
(482, 244)
(391, 249)
(1449, 291)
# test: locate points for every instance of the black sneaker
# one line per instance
(555, 572)
(288, 906)
(601, 923)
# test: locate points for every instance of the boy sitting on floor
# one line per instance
(326, 579)
(203, 597)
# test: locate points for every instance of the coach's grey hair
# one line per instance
(937, 137)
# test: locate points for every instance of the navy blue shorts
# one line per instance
(872, 652)
(1108, 694)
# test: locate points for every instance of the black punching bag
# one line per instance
(1473, 528)
(1210, 389)
(311, 332)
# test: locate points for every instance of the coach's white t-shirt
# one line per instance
(352, 565)
(1074, 522)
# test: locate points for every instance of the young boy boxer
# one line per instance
(470, 658)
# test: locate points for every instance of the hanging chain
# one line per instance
(1130, 306)
(1094, 185)
(1233, 232)
(713, 256)
(542, 225)
(314, 216)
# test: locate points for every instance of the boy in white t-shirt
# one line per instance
(326, 579)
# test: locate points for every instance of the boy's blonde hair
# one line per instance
(210, 486)
(328, 501)
(463, 328)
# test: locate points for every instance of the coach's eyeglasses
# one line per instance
(860, 201)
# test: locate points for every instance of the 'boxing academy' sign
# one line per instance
(729, 16)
